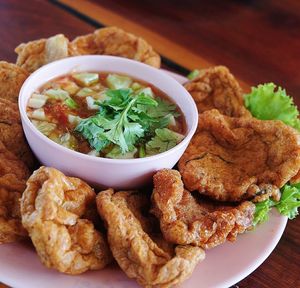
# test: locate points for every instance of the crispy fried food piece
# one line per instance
(184, 220)
(34, 54)
(13, 174)
(11, 79)
(142, 256)
(10, 164)
(12, 135)
(230, 159)
(117, 42)
(52, 207)
(217, 88)
(11, 189)
(296, 178)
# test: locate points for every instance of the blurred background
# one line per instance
(259, 40)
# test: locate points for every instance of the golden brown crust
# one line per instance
(115, 41)
(148, 259)
(12, 135)
(184, 220)
(84, 45)
(10, 164)
(216, 88)
(13, 174)
(31, 55)
(230, 159)
(34, 54)
(105, 41)
(52, 207)
(296, 178)
(11, 79)
(11, 189)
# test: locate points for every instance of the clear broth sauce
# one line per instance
(69, 100)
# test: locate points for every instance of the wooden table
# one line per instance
(258, 40)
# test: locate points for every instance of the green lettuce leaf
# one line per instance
(269, 102)
(287, 205)
(262, 211)
(289, 201)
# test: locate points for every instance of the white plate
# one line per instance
(224, 265)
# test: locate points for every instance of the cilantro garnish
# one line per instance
(164, 140)
(126, 119)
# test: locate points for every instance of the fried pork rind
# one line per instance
(11, 79)
(10, 164)
(115, 41)
(216, 88)
(148, 259)
(230, 159)
(34, 54)
(296, 178)
(52, 208)
(13, 175)
(185, 220)
(11, 133)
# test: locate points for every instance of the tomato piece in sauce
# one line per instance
(58, 112)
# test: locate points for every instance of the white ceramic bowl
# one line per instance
(103, 172)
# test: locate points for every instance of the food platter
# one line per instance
(224, 266)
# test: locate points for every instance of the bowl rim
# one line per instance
(86, 157)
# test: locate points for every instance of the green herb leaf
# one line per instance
(119, 99)
(118, 130)
(164, 140)
(287, 205)
(289, 201)
(122, 132)
(126, 119)
(262, 211)
(142, 151)
(132, 132)
(144, 99)
(193, 74)
(268, 102)
(156, 116)
(162, 109)
(93, 133)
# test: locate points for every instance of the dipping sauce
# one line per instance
(106, 115)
